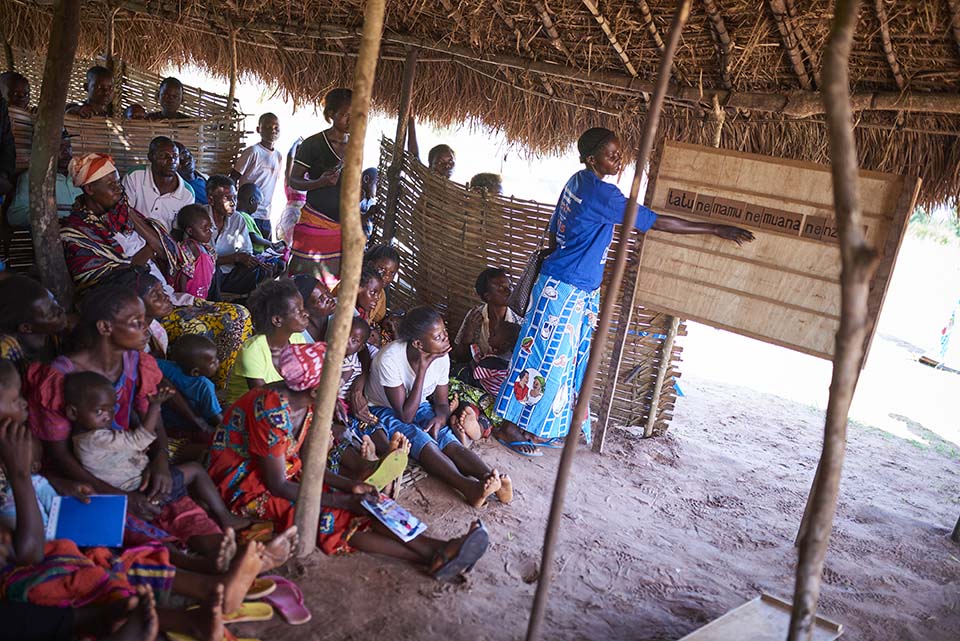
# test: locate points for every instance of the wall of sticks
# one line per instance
(447, 235)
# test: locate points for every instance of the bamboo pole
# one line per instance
(596, 350)
(666, 354)
(858, 263)
(399, 143)
(318, 440)
(232, 94)
(44, 225)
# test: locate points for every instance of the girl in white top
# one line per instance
(403, 376)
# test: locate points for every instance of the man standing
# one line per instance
(19, 213)
(261, 165)
(156, 190)
(99, 100)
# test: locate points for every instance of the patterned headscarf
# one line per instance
(302, 365)
(90, 167)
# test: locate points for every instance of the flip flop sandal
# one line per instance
(248, 612)
(391, 467)
(471, 549)
(261, 532)
(555, 443)
(514, 447)
(260, 588)
(288, 601)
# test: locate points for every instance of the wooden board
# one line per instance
(783, 288)
(764, 618)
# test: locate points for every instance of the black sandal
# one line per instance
(473, 546)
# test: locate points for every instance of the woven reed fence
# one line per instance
(447, 235)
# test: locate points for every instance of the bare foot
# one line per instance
(490, 485)
(231, 520)
(244, 569)
(367, 449)
(142, 623)
(277, 551)
(457, 428)
(204, 623)
(505, 493)
(228, 550)
(399, 442)
(470, 423)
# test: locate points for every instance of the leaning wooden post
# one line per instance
(109, 55)
(666, 356)
(44, 225)
(603, 326)
(399, 142)
(858, 263)
(232, 94)
(318, 440)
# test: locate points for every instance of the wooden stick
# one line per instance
(722, 37)
(858, 263)
(8, 55)
(605, 26)
(790, 44)
(666, 355)
(44, 225)
(232, 94)
(318, 440)
(551, 30)
(888, 52)
(955, 19)
(522, 43)
(403, 118)
(600, 338)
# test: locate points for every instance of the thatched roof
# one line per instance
(543, 70)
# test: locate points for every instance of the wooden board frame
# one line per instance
(784, 287)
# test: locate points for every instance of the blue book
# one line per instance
(98, 523)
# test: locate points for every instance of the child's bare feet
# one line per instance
(367, 449)
(231, 520)
(228, 550)
(470, 423)
(505, 493)
(399, 442)
(206, 622)
(277, 551)
(244, 569)
(489, 486)
(457, 428)
(142, 623)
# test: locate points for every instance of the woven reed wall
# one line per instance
(447, 235)
(131, 85)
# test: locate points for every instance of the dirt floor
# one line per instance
(664, 535)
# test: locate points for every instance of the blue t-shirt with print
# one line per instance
(583, 224)
(199, 391)
(8, 509)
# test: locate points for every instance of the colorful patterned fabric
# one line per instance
(302, 365)
(480, 399)
(550, 359)
(88, 168)
(258, 426)
(68, 578)
(195, 277)
(316, 242)
(226, 324)
(12, 350)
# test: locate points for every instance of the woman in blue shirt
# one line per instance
(550, 357)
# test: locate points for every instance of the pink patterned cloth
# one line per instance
(302, 365)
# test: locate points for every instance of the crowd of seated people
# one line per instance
(186, 375)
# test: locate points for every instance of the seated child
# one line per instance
(249, 198)
(195, 279)
(119, 457)
(135, 112)
(193, 360)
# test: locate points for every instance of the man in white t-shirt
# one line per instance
(261, 165)
(156, 190)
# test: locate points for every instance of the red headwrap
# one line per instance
(302, 365)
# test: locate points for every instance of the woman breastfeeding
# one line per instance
(255, 462)
(550, 357)
(408, 392)
(103, 234)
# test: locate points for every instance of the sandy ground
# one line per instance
(664, 535)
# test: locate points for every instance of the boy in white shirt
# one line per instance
(261, 165)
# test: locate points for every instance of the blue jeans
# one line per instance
(414, 431)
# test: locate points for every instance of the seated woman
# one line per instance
(98, 584)
(256, 463)
(31, 322)
(488, 334)
(279, 319)
(238, 270)
(103, 234)
(407, 372)
(156, 304)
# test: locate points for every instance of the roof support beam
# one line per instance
(955, 20)
(721, 38)
(888, 43)
(788, 33)
(605, 26)
(521, 41)
(551, 29)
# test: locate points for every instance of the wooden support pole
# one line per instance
(232, 94)
(109, 53)
(571, 443)
(45, 151)
(722, 38)
(887, 42)
(399, 143)
(608, 32)
(790, 43)
(318, 440)
(666, 355)
(858, 263)
(8, 55)
(628, 304)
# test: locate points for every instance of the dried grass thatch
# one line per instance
(541, 72)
